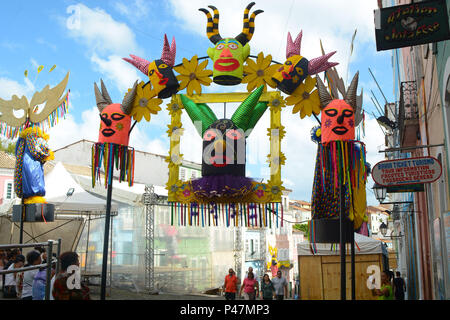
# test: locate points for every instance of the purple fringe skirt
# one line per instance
(223, 186)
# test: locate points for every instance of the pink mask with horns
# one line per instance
(160, 71)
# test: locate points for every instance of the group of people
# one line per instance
(275, 288)
(31, 284)
(391, 288)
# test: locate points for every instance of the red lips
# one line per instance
(224, 64)
(223, 159)
(340, 130)
(286, 76)
(108, 132)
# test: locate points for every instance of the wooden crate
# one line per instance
(320, 277)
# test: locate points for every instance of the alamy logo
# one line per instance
(74, 280)
(73, 21)
(374, 280)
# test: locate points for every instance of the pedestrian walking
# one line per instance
(250, 287)
(60, 290)
(3, 262)
(27, 278)
(40, 282)
(10, 289)
(230, 285)
(280, 285)
(267, 289)
(399, 287)
(385, 292)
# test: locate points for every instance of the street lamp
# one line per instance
(380, 192)
(383, 229)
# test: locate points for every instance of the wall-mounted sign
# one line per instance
(411, 24)
(418, 187)
(407, 171)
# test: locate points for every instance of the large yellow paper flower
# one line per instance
(191, 75)
(260, 72)
(145, 102)
(174, 108)
(304, 100)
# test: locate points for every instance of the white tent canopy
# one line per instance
(59, 181)
(365, 244)
(121, 191)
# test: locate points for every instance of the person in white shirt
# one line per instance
(10, 289)
(33, 258)
(280, 285)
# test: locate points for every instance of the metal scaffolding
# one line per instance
(262, 251)
(149, 202)
(237, 250)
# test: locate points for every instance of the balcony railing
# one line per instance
(408, 109)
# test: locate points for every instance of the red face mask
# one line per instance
(338, 122)
(114, 125)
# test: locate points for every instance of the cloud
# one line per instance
(136, 10)
(122, 74)
(9, 87)
(100, 32)
(68, 131)
(107, 41)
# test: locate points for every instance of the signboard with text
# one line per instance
(407, 171)
(411, 24)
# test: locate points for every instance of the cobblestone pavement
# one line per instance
(121, 294)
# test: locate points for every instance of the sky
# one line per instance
(90, 38)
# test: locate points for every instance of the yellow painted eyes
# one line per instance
(288, 63)
(299, 70)
(162, 66)
(151, 72)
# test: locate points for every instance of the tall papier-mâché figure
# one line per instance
(114, 135)
(340, 159)
(32, 150)
(229, 54)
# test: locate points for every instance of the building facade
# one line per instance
(420, 229)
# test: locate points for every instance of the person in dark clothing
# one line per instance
(399, 287)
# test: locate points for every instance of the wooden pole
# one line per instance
(106, 237)
(342, 242)
(353, 264)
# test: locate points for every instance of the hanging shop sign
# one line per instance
(407, 171)
(411, 24)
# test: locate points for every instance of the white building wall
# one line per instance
(152, 168)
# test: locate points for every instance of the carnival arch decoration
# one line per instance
(224, 195)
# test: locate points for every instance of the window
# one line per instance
(9, 190)
(182, 174)
(193, 174)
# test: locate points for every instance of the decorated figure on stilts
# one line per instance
(32, 151)
(341, 172)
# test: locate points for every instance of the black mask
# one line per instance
(223, 149)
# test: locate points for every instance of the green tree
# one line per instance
(10, 147)
(302, 227)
